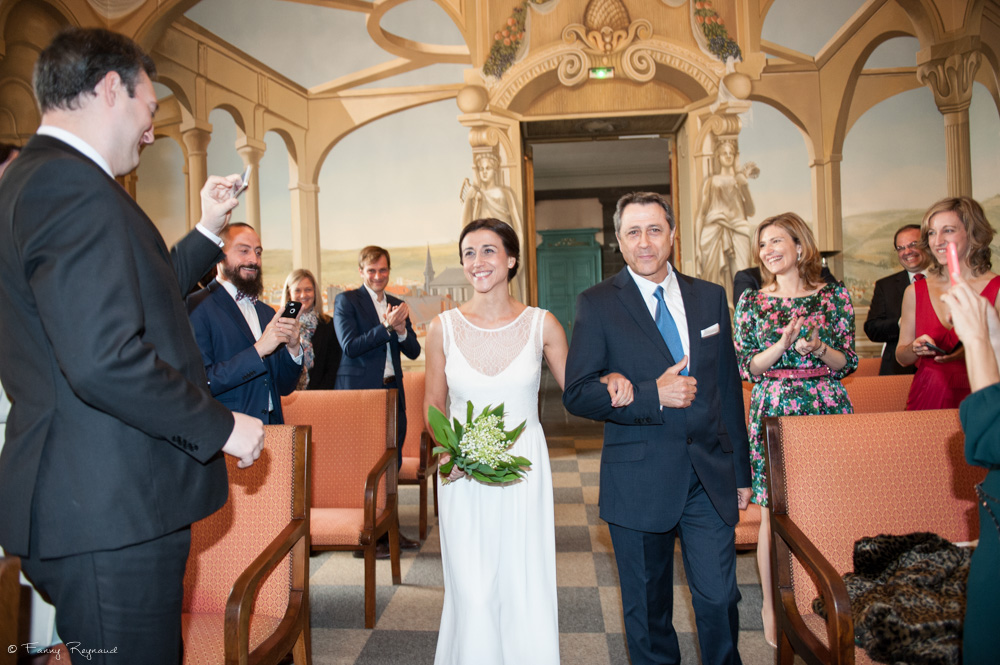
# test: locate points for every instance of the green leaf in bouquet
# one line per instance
(521, 461)
(445, 469)
(468, 411)
(459, 430)
(441, 428)
(480, 477)
(498, 412)
(516, 432)
(437, 450)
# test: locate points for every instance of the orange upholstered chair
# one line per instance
(353, 473)
(836, 479)
(419, 466)
(877, 394)
(246, 589)
(868, 367)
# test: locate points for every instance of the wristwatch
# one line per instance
(388, 327)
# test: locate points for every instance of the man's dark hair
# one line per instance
(76, 61)
(508, 237)
(907, 227)
(642, 198)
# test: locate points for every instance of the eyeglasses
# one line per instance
(913, 245)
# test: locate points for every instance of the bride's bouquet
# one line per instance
(480, 447)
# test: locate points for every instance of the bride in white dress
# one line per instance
(498, 545)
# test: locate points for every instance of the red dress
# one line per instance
(939, 385)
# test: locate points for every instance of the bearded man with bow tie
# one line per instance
(251, 356)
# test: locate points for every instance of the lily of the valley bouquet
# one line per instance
(480, 447)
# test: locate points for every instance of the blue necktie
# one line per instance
(668, 329)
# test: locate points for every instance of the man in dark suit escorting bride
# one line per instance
(676, 460)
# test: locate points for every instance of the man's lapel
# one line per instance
(368, 310)
(633, 303)
(229, 306)
(691, 314)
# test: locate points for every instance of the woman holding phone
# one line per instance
(941, 381)
(794, 341)
(320, 348)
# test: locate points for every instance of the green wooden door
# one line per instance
(569, 261)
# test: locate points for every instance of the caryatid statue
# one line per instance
(722, 229)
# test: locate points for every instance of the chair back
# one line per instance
(10, 606)
(868, 367)
(351, 430)
(878, 394)
(413, 386)
(841, 478)
(263, 499)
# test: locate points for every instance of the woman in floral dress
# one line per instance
(794, 341)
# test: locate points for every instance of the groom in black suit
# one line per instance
(676, 461)
(113, 440)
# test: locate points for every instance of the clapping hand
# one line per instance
(790, 333)
(806, 345)
(396, 317)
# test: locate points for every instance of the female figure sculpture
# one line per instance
(721, 229)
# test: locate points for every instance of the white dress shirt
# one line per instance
(672, 296)
(382, 306)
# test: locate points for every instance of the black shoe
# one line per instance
(359, 554)
(381, 550)
(407, 544)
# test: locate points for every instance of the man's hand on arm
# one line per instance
(246, 440)
(277, 332)
(675, 390)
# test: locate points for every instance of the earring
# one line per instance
(799, 257)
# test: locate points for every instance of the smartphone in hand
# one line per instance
(935, 348)
(292, 308)
(244, 181)
(954, 269)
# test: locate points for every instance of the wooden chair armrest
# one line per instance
(839, 621)
(10, 605)
(239, 605)
(382, 466)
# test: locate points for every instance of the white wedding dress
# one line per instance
(498, 545)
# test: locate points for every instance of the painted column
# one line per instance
(950, 76)
(251, 151)
(196, 137)
(305, 228)
(828, 208)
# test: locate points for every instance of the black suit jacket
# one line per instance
(645, 473)
(326, 352)
(882, 324)
(237, 376)
(113, 438)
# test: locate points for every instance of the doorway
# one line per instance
(579, 169)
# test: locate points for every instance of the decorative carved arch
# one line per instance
(566, 65)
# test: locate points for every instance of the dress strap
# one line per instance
(539, 326)
(991, 290)
(447, 332)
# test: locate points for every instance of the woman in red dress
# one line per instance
(940, 381)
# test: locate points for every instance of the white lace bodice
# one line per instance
(493, 366)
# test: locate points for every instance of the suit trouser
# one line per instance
(645, 571)
(125, 603)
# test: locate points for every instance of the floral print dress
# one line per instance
(758, 321)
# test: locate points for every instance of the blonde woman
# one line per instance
(320, 348)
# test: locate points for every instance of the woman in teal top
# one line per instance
(978, 326)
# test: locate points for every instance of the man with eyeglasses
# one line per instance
(882, 324)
